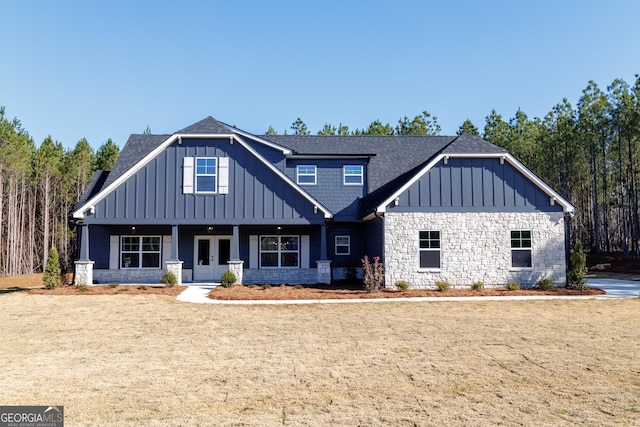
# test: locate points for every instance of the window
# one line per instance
(306, 175)
(353, 175)
(521, 249)
(279, 251)
(206, 175)
(343, 245)
(140, 251)
(429, 249)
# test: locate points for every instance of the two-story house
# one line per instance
(306, 209)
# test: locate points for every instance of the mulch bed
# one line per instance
(111, 290)
(288, 292)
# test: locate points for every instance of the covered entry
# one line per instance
(211, 256)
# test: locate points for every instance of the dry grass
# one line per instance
(149, 360)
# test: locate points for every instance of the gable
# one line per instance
(155, 191)
(474, 184)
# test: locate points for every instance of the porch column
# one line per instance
(235, 263)
(174, 264)
(84, 266)
(323, 264)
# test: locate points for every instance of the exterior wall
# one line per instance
(154, 195)
(475, 246)
(481, 185)
(106, 276)
(330, 190)
(279, 276)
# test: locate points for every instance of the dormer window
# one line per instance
(353, 175)
(306, 174)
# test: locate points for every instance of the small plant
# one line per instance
(513, 286)
(298, 287)
(545, 284)
(142, 287)
(169, 279)
(373, 274)
(114, 284)
(228, 278)
(51, 277)
(124, 289)
(403, 285)
(577, 268)
(442, 285)
(477, 286)
(266, 286)
(82, 287)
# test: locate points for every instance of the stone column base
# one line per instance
(236, 267)
(176, 268)
(324, 271)
(84, 273)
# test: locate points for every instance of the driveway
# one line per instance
(615, 288)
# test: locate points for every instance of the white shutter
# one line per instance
(166, 250)
(114, 252)
(304, 251)
(223, 175)
(253, 251)
(187, 175)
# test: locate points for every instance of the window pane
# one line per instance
(206, 165)
(130, 260)
(289, 259)
(224, 251)
(130, 243)
(206, 183)
(306, 179)
(342, 240)
(289, 243)
(151, 244)
(353, 179)
(342, 250)
(269, 259)
(269, 243)
(203, 252)
(150, 260)
(521, 258)
(429, 259)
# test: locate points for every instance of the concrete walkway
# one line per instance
(613, 288)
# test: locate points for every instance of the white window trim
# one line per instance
(348, 245)
(314, 174)
(140, 252)
(196, 175)
(344, 175)
(279, 251)
(511, 267)
(429, 269)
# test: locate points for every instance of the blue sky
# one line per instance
(108, 69)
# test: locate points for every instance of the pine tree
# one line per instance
(51, 277)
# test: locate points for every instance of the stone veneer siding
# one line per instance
(475, 246)
(279, 276)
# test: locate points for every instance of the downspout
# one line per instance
(382, 239)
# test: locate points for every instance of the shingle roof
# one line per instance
(393, 159)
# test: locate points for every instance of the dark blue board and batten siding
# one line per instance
(468, 185)
(154, 194)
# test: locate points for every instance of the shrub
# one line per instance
(513, 286)
(442, 285)
(228, 279)
(114, 284)
(266, 286)
(168, 279)
(51, 277)
(477, 286)
(577, 268)
(82, 287)
(373, 274)
(403, 285)
(545, 284)
(142, 287)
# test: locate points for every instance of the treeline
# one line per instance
(38, 189)
(589, 153)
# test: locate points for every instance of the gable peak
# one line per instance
(208, 125)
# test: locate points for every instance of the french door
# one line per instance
(210, 257)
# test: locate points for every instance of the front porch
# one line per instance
(269, 254)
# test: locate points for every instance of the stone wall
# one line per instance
(279, 276)
(475, 246)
